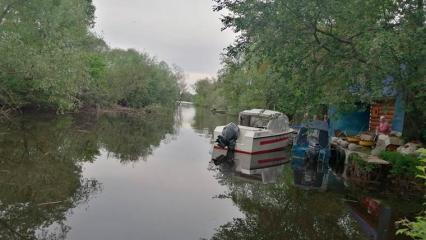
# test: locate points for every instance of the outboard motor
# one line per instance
(228, 139)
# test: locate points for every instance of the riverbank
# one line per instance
(10, 114)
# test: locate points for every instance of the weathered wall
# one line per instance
(351, 123)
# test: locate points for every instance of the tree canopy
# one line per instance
(299, 55)
(51, 59)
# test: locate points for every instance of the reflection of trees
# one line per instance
(205, 121)
(130, 138)
(281, 211)
(40, 176)
(40, 165)
(178, 118)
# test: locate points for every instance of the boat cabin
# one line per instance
(264, 119)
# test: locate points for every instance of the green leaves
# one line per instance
(51, 60)
(416, 229)
(402, 165)
(318, 51)
(136, 80)
(44, 64)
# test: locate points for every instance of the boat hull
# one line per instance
(249, 163)
(257, 152)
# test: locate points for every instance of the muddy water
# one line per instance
(149, 177)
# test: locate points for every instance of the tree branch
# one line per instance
(334, 36)
(321, 45)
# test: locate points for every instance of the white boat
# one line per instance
(263, 140)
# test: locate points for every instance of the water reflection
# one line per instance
(374, 217)
(293, 208)
(377, 212)
(47, 166)
(133, 138)
(40, 176)
(280, 209)
(310, 179)
(205, 121)
(263, 175)
(41, 158)
(283, 211)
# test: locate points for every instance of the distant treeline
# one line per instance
(210, 93)
(51, 59)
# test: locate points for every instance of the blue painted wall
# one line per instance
(350, 123)
(399, 115)
(355, 122)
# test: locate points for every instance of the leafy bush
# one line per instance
(417, 229)
(53, 62)
(402, 165)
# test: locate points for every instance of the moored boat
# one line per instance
(261, 139)
(310, 156)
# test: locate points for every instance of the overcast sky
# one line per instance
(182, 32)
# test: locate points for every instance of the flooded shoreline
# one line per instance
(121, 177)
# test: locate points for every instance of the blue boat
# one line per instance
(310, 155)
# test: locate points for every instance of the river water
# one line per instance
(150, 177)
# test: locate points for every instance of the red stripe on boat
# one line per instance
(271, 160)
(254, 153)
(273, 141)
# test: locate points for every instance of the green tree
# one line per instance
(136, 80)
(208, 92)
(42, 60)
(328, 52)
(51, 60)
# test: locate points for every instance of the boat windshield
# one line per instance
(254, 121)
(276, 123)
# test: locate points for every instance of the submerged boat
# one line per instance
(261, 139)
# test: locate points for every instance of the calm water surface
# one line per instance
(123, 177)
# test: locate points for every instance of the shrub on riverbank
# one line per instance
(134, 79)
(402, 165)
(399, 175)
